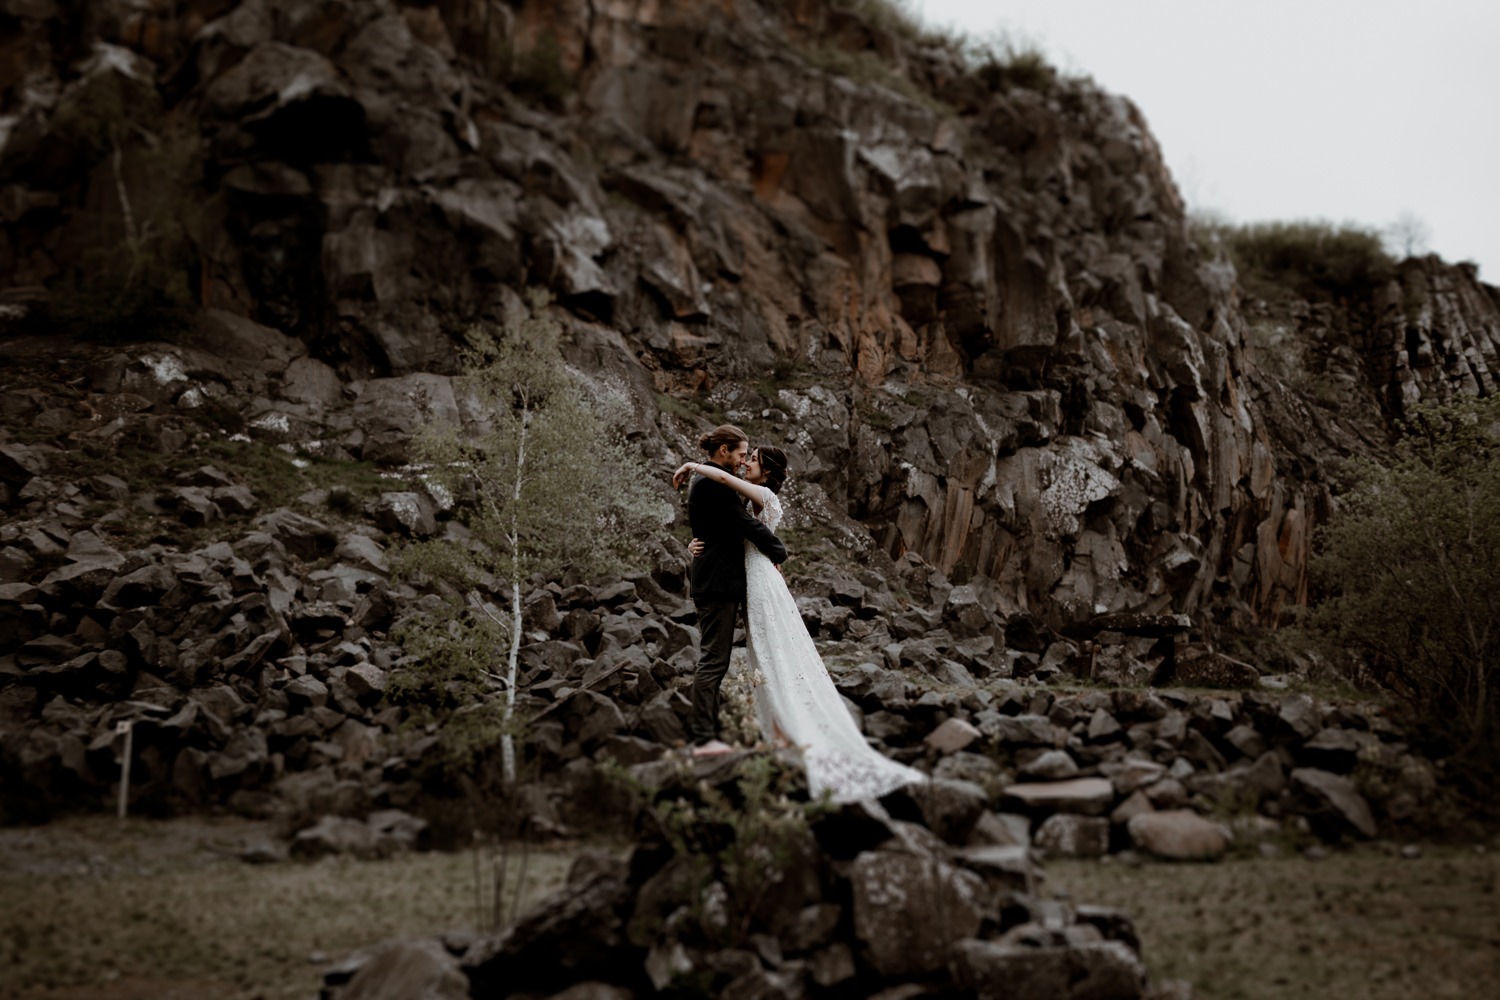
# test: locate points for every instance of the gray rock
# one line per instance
(1086, 796)
(952, 736)
(91, 565)
(336, 835)
(1133, 773)
(948, 808)
(1298, 717)
(1072, 836)
(1004, 867)
(298, 534)
(1178, 835)
(1335, 750)
(1133, 806)
(1050, 765)
(19, 464)
(1168, 793)
(973, 767)
(1020, 730)
(1247, 740)
(1103, 726)
(1106, 970)
(307, 690)
(406, 513)
(366, 682)
(408, 969)
(1335, 805)
(910, 910)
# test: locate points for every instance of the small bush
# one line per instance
(892, 16)
(1310, 260)
(539, 75)
(1009, 65)
(137, 281)
(1408, 570)
(734, 841)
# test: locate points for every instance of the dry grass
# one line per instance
(1362, 923)
(91, 909)
(94, 909)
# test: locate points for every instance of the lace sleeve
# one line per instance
(770, 512)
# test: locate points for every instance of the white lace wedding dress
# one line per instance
(795, 699)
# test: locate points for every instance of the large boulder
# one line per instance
(1178, 835)
(406, 969)
(1333, 804)
(910, 910)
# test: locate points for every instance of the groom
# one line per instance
(718, 517)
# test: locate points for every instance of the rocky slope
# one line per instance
(967, 299)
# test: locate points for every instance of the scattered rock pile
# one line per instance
(857, 902)
(253, 670)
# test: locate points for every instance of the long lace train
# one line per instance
(796, 700)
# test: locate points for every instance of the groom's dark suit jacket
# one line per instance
(719, 517)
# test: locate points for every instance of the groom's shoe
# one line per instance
(712, 748)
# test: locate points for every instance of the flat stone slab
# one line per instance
(1090, 796)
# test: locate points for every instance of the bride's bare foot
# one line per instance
(713, 748)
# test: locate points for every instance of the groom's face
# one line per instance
(732, 459)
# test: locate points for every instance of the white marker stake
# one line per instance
(123, 728)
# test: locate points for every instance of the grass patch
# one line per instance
(868, 68)
(105, 910)
(1362, 923)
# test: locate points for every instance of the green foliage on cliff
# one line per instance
(1410, 572)
(538, 74)
(135, 281)
(1310, 259)
(1007, 64)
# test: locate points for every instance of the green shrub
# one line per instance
(1310, 260)
(1409, 570)
(892, 16)
(1008, 64)
(539, 75)
(136, 282)
(728, 838)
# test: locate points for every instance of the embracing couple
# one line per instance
(734, 511)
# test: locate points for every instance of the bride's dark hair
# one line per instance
(773, 464)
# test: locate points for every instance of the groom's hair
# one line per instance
(722, 435)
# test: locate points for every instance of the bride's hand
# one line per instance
(696, 547)
(680, 476)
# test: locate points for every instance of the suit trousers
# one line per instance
(716, 621)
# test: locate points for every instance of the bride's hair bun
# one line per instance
(773, 464)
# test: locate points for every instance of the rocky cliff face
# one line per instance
(973, 309)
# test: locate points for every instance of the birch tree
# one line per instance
(543, 482)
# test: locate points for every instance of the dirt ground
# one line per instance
(94, 909)
(1364, 923)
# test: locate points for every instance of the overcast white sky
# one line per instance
(1344, 110)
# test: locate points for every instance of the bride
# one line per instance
(796, 703)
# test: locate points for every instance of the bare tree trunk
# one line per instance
(507, 739)
(132, 238)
